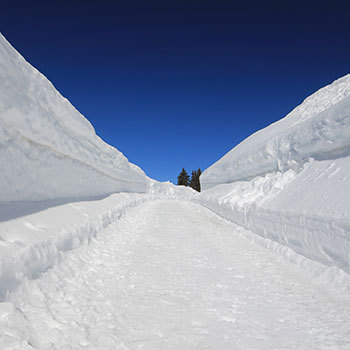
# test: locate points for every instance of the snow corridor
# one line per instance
(173, 275)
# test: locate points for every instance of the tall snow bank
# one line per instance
(307, 211)
(48, 149)
(318, 128)
(290, 183)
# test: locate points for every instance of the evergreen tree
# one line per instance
(195, 183)
(183, 178)
(193, 179)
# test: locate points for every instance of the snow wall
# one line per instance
(318, 128)
(48, 150)
(290, 182)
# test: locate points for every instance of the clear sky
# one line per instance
(177, 84)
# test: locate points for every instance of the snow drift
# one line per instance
(48, 150)
(290, 181)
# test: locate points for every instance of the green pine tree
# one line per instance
(195, 183)
(183, 179)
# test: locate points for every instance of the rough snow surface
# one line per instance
(173, 275)
(290, 182)
(34, 236)
(48, 150)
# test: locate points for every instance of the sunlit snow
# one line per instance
(96, 255)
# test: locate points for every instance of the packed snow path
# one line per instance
(173, 275)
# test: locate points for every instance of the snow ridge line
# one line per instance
(30, 262)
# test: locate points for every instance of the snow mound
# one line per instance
(319, 128)
(169, 190)
(290, 183)
(48, 150)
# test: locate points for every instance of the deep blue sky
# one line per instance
(179, 83)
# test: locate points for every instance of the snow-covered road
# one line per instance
(173, 275)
